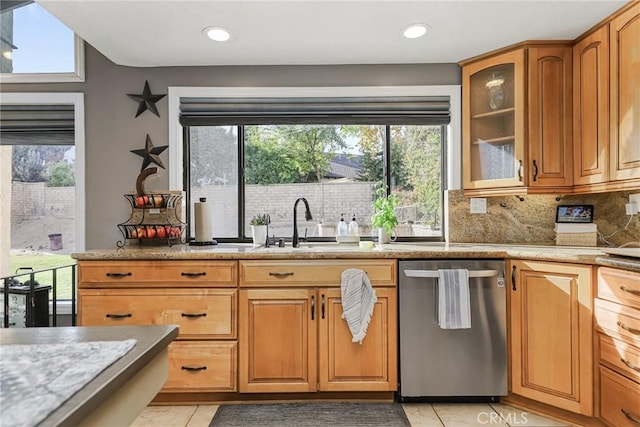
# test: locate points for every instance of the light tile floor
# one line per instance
(419, 414)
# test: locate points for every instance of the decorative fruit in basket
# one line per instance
(151, 232)
(157, 200)
(133, 232)
(161, 232)
(142, 232)
(175, 231)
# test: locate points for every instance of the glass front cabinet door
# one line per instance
(493, 122)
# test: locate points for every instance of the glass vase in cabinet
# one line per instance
(493, 121)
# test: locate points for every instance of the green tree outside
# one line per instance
(61, 175)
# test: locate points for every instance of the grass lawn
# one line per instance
(43, 261)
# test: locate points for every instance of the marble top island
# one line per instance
(114, 396)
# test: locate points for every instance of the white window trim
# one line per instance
(77, 76)
(77, 100)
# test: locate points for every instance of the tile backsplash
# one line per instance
(531, 221)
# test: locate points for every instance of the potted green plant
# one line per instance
(259, 224)
(384, 217)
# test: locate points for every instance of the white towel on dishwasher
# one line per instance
(358, 301)
(454, 308)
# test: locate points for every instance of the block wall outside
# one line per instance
(35, 199)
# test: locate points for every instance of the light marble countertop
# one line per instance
(328, 250)
(151, 340)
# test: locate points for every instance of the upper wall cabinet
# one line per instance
(591, 108)
(517, 134)
(606, 105)
(493, 117)
(624, 33)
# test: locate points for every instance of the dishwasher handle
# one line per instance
(434, 273)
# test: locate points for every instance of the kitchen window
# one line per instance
(35, 47)
(263, 163)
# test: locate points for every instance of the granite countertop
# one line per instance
(328, 250)
(149, 342)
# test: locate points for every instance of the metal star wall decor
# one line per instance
(146, 100)
(150, 154)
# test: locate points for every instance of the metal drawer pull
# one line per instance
(313, 307)
(629, 416)
(193, 273)
(434, 273)
(322, 306)
(194, 369)
(116, 275)
(631, 291)
(278, 274)
(629, 365)
(626, 328)
(119, 316)
(194, 314)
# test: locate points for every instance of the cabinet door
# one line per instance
(549, 117)
(349, 366)
(493, 122)
(551, 334)
(278, 340)
(591, 108)
(625, 95)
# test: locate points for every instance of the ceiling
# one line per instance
(150, 33)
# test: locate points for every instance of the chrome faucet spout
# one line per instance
(307, 216)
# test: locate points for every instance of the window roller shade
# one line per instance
(364, 110)
(37, 124)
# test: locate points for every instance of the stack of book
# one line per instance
(568, 234)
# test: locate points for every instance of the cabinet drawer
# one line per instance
(619, 399)
(620, 357)
(202, 366)
(200, 313)
(619, 286)
(621, 321)
(313, 273)
(157, 273)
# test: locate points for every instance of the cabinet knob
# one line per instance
(535, 171)
(628, 329)
(280, 274)
(631, 291)
(118, 316)
(194, 314)
(194, 368)
(629, 416)
(118, 275)
(193, 273)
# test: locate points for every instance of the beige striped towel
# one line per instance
(454, 306)
(358, 301)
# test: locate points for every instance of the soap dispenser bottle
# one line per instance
(343, 230)
(354, 230)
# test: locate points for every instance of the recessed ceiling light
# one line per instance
(414, 31)
(217, 33)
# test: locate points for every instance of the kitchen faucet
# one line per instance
(307, 215)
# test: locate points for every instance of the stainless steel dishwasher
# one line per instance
(452, 364)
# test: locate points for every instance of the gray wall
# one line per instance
(111, 130)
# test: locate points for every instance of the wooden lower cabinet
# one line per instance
(551, 334)
(204, 356)
(617, 312)
(293, 338)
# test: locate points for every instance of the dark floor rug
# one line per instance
(311, 415)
